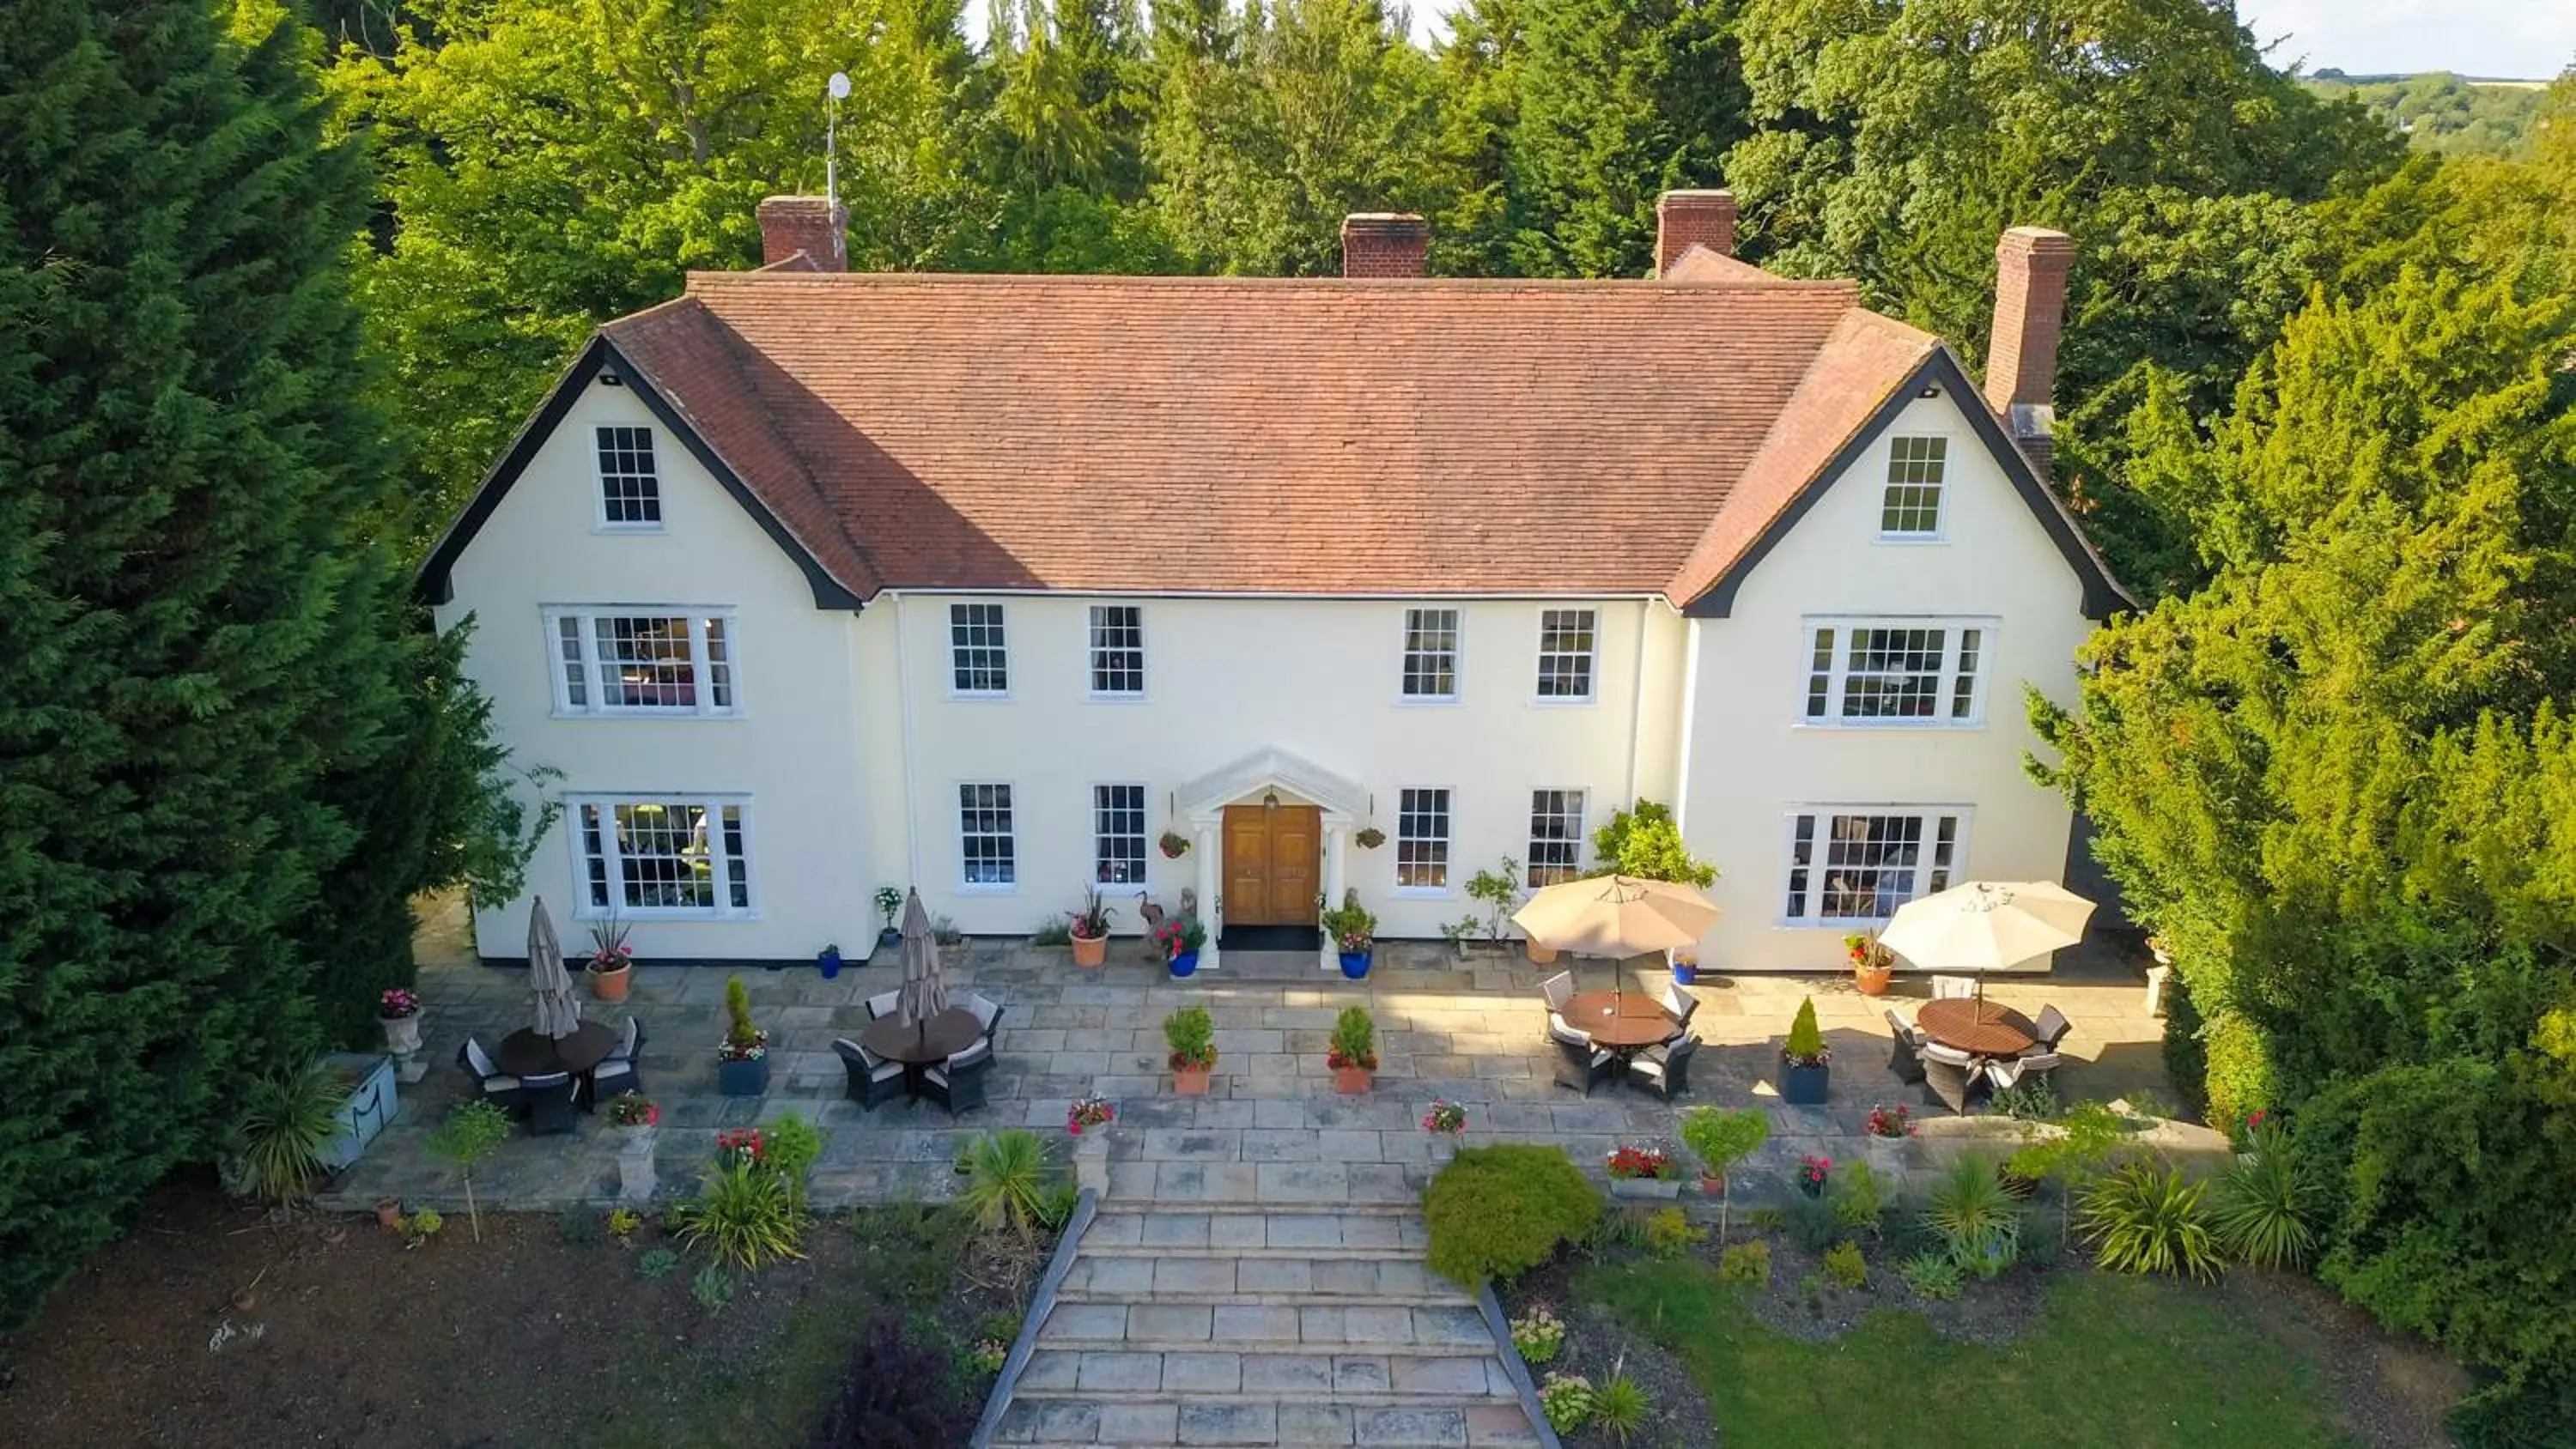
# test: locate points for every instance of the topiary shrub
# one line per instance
(1806, 1043)
(1499, 1211)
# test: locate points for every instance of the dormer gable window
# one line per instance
(630, 490)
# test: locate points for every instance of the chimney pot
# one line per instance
(2031, 264)
(1385, 244)
(814, 225)
(1685, 219)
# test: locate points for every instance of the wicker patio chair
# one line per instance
(1664, 1070)
(873, 1078)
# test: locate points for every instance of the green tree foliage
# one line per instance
(1643, 843)
(2442, 113)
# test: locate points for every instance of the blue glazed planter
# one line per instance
(742, 1079)
(372, 1103)
(1804, 1086)
(1355, 965)
(830, 960)
(1185, 963)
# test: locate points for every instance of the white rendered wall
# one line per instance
(794, 749)
(1750, 756)
(1226, 678)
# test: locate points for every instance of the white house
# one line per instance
(812, 582)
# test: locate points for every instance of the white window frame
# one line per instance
(1591, 659)
(1811, 902)
(1581, 817)
(1143, 836)
(1939, 532)
(1002, 628)
(1457, 654)
(595, 703)
(966, 884)
(600, 520)
(1448, 839)
(1093, 650)
(577, 809)
(1945, 693)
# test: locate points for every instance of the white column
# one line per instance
(1209, 917)
(1337, 835)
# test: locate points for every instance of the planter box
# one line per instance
(1351, 1081)
(372, 1103)
(1190, 1081)
(742, 1079)
(1805, 1086)
(1646, 1187)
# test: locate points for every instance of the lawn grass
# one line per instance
(2122, 1363)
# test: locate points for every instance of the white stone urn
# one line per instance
(402, 1034)
(1444, 1147)
(635, 1175)
(1091, 1160)
(1886, 1156)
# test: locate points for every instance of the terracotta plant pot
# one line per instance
(1352, 1081)
(611, 985)
(389, 1213)
(1191, 1081)
(1541, 955)
(1090, 951)
(1712, 1184)
(1872, 980)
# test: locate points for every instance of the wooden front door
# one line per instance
(1271, 854)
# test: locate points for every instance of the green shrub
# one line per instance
(1720, 1139)
(1006, 1180)
(1934, 1276)
(2264, 1207)
(1669, 1233)
(1845, 1266)
(1056, 1204)
(1769, 1217)
(1499, 1211)
(577, 1226)
(1620, 1407)
(421, 1226)
(1190, 1033)
(657, 1262)
(1857, 1199)
(1979, 1224)
(1746, 1263)
(1053, 931)
(1643, 843)
(899, 1393)
(744, 1215)
(790, 1147)
(1354, 1039)
(1622, 1225)
(2031, 1099)
(1806, 1041)
(287, 1118)
(2145, 1218)
(713, 1288)
(741, 1032)
(1812, 1224)
(1567, 1401)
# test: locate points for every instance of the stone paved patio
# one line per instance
(1271, 1128)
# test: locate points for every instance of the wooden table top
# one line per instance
(919, 1044)
(524, 1053)
(1984, 1028)
(1618, 1019)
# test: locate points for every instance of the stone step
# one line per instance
(1112, 1373)
(1335, 1185)
(1239, 1325)
(1113, 1205)
(1201, 1275)
(1123, 1230)
(1097, 1424)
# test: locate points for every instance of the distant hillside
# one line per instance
(2440, 111)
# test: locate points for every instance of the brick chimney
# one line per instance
(1385, 244)
(2030, 312)
(1684, 219)
(808, 224)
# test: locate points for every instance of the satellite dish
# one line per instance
(840, 85)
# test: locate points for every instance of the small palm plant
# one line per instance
(287, 1118)
(1976, 1218)
(1006, 1180)
(2265, 1204)
(2146, 1218)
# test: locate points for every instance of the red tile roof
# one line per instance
(1270, 436)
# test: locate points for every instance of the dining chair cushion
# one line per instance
(1934, 1051)
(1904, 1030)
(974, 1056)
(1951, 988)
(984, 1009)
(1559, 989)
(497, 1083)
(541, 1082)
(631, 1043)
(1560, 1030)
(874, 1067)
(610, 1071)
(881, 1005)
(477, 1060)
(1678, 1004)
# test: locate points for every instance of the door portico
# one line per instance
(1244, 815)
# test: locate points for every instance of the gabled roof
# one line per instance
(1222, 435)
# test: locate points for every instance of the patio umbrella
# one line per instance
(1615, 915)
(922, 995)
(558, 1010)
(1986, 926)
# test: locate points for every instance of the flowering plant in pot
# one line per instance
(1806, 1074)
(1872, 964)
(742, 1058)
(1643, 1172)
(1181, 937)
(889, 901)
(1447, 1124)
(1354, 931)
(399, 1010)
(612, 963)
(1352, 1053)
(1887, 1131)
(1091, 1149)
(1191, 1035)
(741, 1147)
(1812, 1172)
(1091, 1111)
(1090, 927)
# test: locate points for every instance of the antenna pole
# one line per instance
(831, 148)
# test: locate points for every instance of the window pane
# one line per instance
(1963, 689)
(984, 834)
(1556, 836)
(1431, 653)
(1869, 866)
(1117, 649)
(1422, 839)
(1802, 856)
(1914, 469)
(1892, 673)
(737, 858)
(594, 857)
(977, 650)
(719, 663)
(1118, 833)
(663, 857)
(576, 670)
(1945, 850)
(1820, 675)
(628, 490)
(1565, 653)
(644, 662)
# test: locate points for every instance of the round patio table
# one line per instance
(1622, 1020)
(918, 1044)
(1980, 1027)
(527, 1053)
